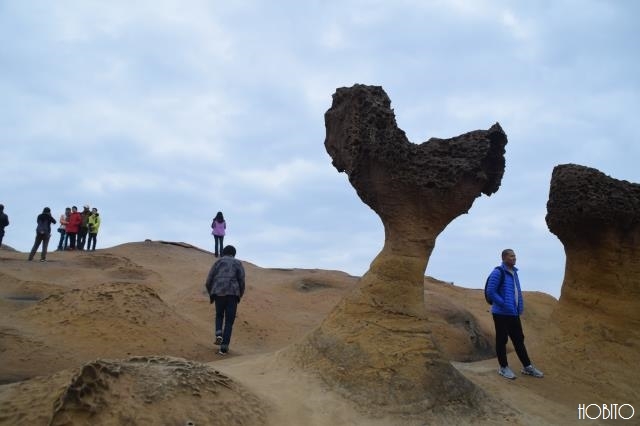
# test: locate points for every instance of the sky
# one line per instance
(161, 113)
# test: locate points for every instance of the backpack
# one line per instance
(486, 295)
(43, 226)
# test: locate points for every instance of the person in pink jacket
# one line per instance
(75, 219)
(218, 226)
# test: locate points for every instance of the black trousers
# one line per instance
(218, 240)
(509, 326)
(40, 238)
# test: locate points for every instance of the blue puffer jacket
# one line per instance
(503, 296)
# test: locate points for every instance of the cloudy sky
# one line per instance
(161, 113)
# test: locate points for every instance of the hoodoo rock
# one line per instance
(376, 346)
(597, 219)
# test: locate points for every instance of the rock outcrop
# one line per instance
(149, 390)
(596, 323)
(597, 219)
(376, 345)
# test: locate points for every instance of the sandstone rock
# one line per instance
(597, 219)
(376, 345)
(150, 390)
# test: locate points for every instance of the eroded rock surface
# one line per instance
(597, 219)
(376, 345)
(136, 391)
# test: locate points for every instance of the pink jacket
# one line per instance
(218, 228)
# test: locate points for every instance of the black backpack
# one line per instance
(486, 295)
(43, 226)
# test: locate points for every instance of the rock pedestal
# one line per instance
(597, 219)
(375, 345)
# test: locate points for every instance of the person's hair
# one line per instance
(219, 217)
(229, 251)
(46, 210)
(1, 207)
(505, 252)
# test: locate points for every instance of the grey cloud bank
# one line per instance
(162, 113)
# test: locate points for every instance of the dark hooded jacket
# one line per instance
(226, 278)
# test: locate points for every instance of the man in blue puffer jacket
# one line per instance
(503, 288)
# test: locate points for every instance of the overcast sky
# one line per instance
(161, 113)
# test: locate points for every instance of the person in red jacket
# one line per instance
(75, 220)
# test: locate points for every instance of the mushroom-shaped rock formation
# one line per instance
(376, 346)
(596, 323)
(597, 219)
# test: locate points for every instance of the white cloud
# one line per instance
(283, 178)
(185, 108)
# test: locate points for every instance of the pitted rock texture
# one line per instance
(149, 390)
(597, 219)
(362, 347)
(409, 185)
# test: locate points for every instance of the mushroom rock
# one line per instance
(376, 346)
(597, 219)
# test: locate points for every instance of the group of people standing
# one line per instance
(76, 230)
(79, 229)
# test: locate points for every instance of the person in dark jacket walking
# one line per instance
(4, 222)
(225, 286)
(43, 233)
(503, 288)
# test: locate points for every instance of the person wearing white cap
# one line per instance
(84, 227)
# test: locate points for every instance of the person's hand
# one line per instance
(212, 298)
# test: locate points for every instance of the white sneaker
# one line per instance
(506, 373)
(530, 370)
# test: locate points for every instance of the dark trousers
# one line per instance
(40, 238)
(93, 237)
(82, 238)
(63, 234)
(508, 326)
(217, 240)
(226, 308)
(72, 240)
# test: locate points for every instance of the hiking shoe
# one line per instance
(222, 352)
(530, 370)
(43, 260)
(506, 373)
(218, 340)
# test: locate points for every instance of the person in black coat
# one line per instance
(4, 222)
(43, 233)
